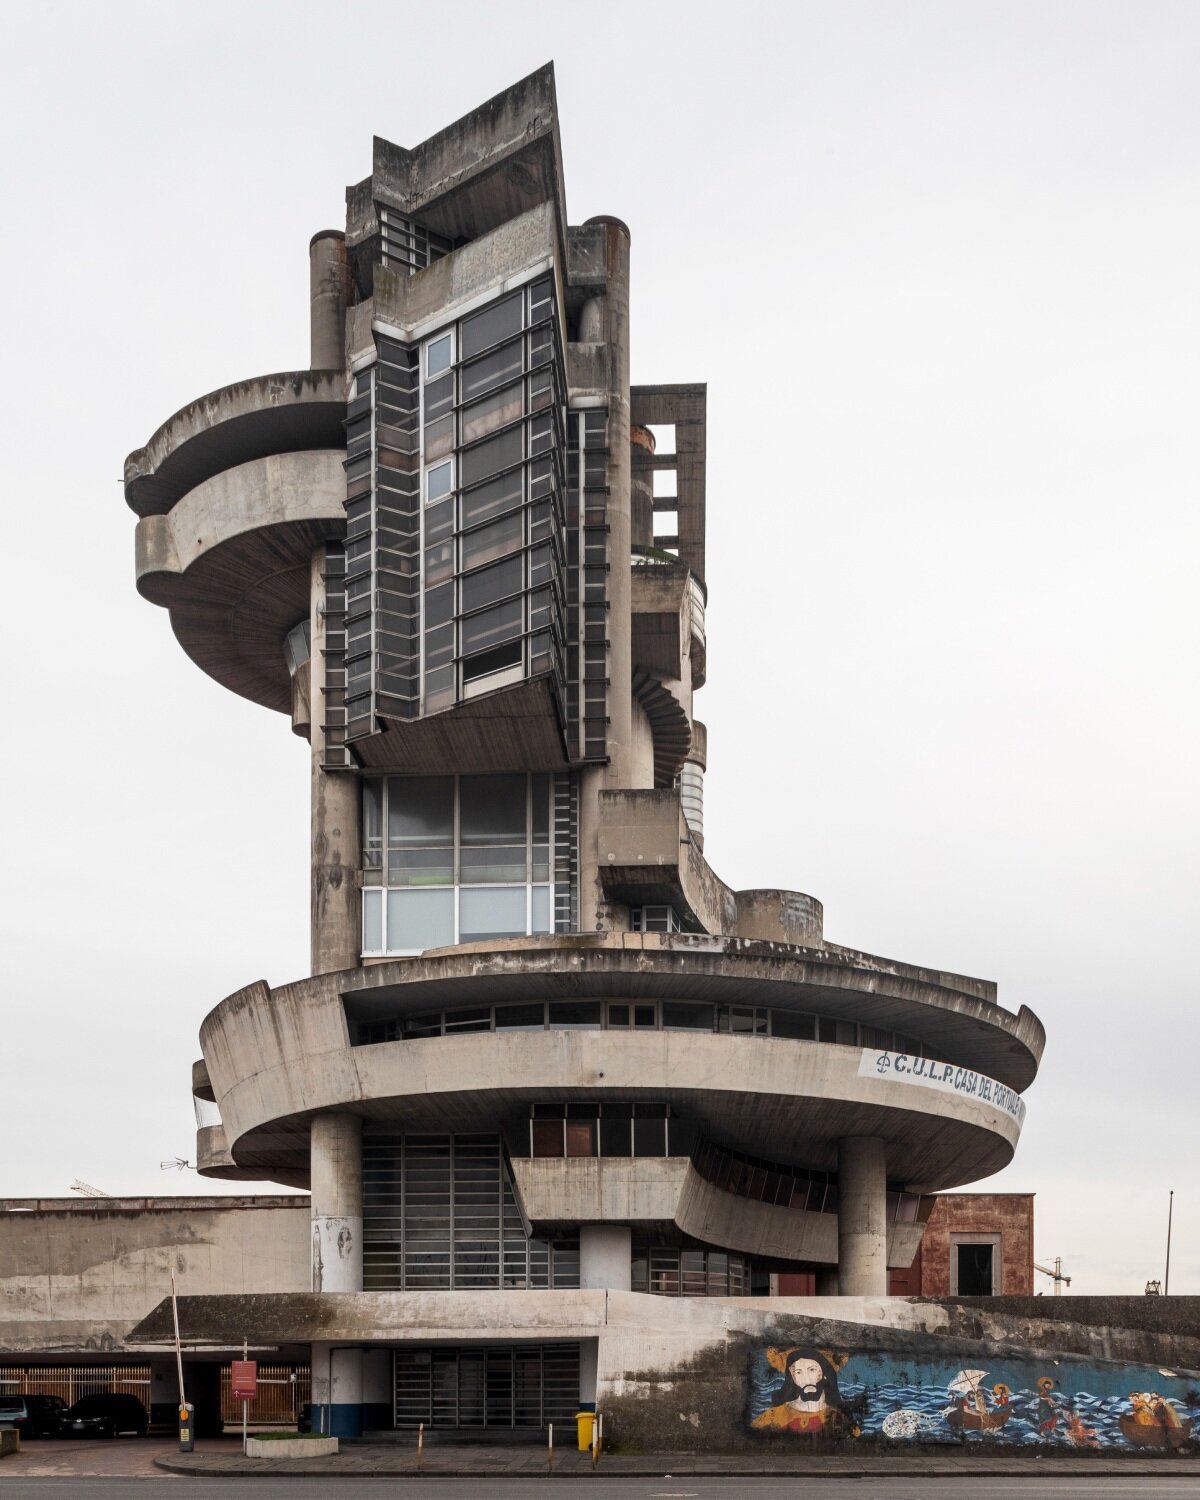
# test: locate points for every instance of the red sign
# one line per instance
(244, 1379)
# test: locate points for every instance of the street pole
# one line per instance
(1170, 1212)
(178, 1350)
(245, 1356)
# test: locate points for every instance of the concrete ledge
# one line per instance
(290, 1449)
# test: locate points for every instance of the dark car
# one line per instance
(106, 1416)
(33, 1416)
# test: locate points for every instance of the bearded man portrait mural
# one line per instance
(807, 1399)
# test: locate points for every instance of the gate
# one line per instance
(282, 1391)
(500, 1386)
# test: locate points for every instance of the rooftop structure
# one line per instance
(543, 1047)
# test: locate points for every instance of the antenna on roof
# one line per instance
(174, 1164)
(86, 1190)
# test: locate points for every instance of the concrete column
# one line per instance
(335, 1147)
(862, 1217)
(337, 1390)
(615, 326)
(606, 1256)
(335, 901)
(327, 281)
(377, 1389)
(641, 483)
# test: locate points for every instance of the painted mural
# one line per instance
(831, 1393)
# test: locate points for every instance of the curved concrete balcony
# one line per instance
(292, 412)
(231, 561)
(278, 1057)
(649, 1192)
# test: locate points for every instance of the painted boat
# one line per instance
(1147, 1435)
(970, 1420)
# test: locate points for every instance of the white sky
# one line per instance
(936, 262)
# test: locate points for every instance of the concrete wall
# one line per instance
(1006, 1215)
(77, 1275)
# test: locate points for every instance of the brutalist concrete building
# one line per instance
(564, 1102)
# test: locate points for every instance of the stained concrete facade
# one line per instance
(544, 1052)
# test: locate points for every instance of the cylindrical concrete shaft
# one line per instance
(335, 918)
(606, 1256)
(335, 1154)
(337, 1390)
(327, 293)
(862, 1217)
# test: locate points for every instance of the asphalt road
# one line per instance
(965, 1487)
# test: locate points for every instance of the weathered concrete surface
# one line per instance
(251, 419)
(279, 1450)
(76, 1275)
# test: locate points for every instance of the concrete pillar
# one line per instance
(335, 901)
(615, 326)
(335, 1147)
(337, 1390)
(641, 483)
(862, 1217)
(606, 1256)
(327, 283)
(377, 1389)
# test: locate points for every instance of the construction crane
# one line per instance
(1055, 1275)
(86, 1190)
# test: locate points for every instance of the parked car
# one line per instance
(33, 1416)
(106, 1416)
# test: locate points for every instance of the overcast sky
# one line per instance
(938, 265)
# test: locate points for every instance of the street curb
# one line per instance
(902, 1469)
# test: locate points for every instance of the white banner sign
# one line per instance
(903, 1067)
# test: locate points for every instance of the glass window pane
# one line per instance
(618, 1015)
(616, 1137)
(542, 921)
(649, 1137)
(789, 1023)
(500, 581)
(488, 913)
(372, 938)
(499, 321)
(438, 354)
(490, 499)
(499, 452)
(420, 811)
(492, 626)
(420, 919)
(439, 440)
(469, 1020)
(581, 1137)
(494, 411)
(525, 1017)
(681, 1015)
(492, 809)
(492, 370)
(502, 536)
(421, 866)
(499, 864)
(547, 1137)
(439, 481)
(645, 1017)
(575, 1015)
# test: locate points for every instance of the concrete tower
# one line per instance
(544, 1056)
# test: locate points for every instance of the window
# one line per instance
(461, 859)
(654, 919)
(439, 481)
(439, 355)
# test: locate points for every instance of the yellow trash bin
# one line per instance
(585, 1420)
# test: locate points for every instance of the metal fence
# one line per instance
(73, 1381)
(282, 1391)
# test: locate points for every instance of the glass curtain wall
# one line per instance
(455, 859)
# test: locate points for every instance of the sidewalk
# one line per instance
(475, 1461)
